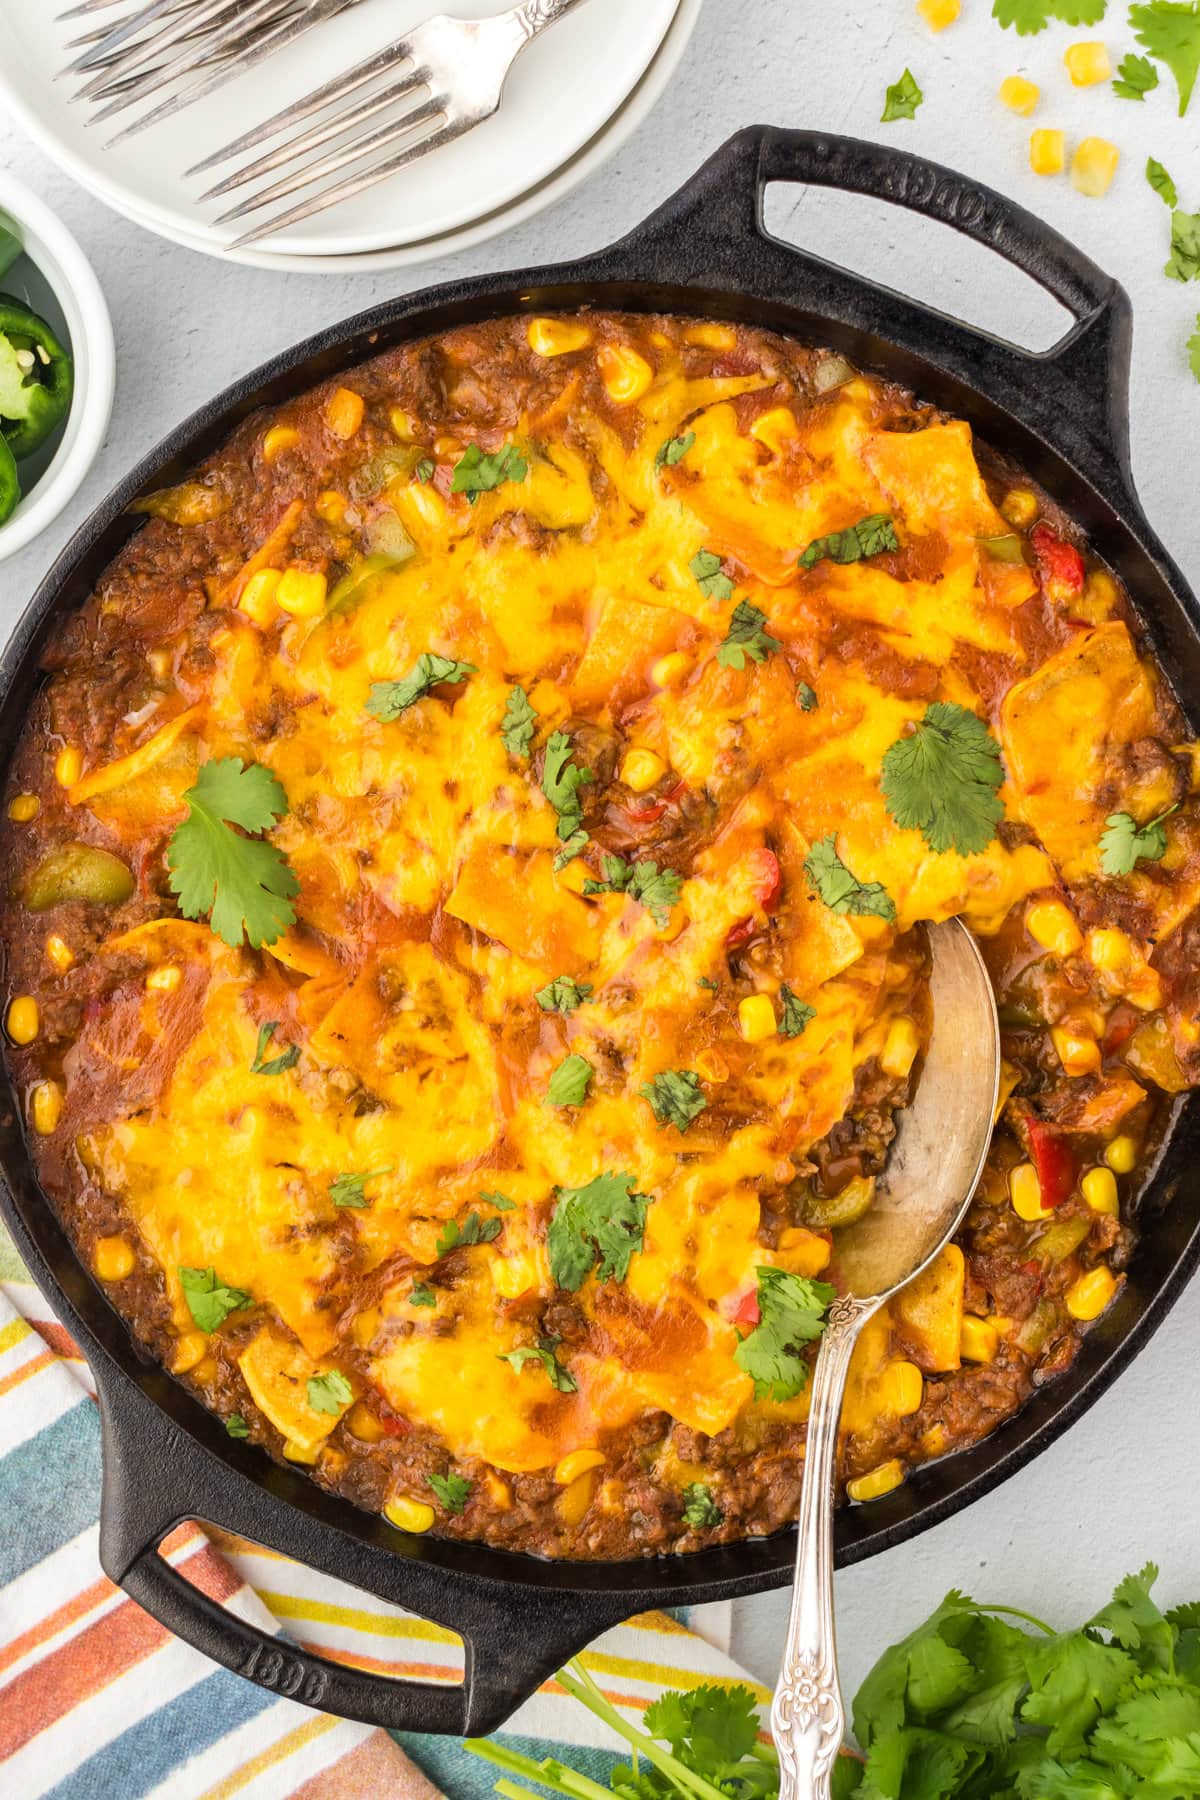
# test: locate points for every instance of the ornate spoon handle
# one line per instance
(808, 1715)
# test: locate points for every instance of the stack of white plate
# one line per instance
(573, 97)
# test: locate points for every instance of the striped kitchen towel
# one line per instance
(99, 1702)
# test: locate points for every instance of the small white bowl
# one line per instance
(68, 274)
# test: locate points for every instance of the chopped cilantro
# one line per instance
(577, 842)
(451, 1490)
(841, 891)
(478, 472)
(941, 780)
(656, 889)
(1135, 78)
(745, 638)
(700, 1510)
(244, 885)
(901, 99)
(209, 1300)
(868, 538)
(473, 1230)
(791, 1313)
(1160, 180)
(706, 981)
(1124, 843)
(795, 1013)
(388, 699)
(674, 450)
(543, 1352)
(562, 779)
(329, 1393)
(347, 1190)
(675, 1097)
(1170, 31)
(599, 1226)
(421, 1294)
(500, 1201)
(278, 1065)
(711, 578)
(236, 1426)
(519, 722)
(563, 994)
(425, 469)
(569, 1082)
(1030, 16)
(806, 697)
(1183, 264)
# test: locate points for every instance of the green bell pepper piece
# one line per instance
(10, 249)
(36, 378)
(10, 486)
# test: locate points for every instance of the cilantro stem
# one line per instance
(1015, 1612)
(550, 1773)
(511, 1791)
(579, 1684)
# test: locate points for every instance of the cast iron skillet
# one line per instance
(1063, 415)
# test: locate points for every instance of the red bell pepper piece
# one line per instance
(1061, 568)
(1054, 1160)
(746, 1311)
(652, 811)
(768, 885)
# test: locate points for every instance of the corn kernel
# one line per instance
(401, 423)
(344, 412)
(330, 507)
(279, 439)
(1109, 950)
(877, 1482)
(59, 953)
(165, 979)
(979, 1340)
(301, 1453)
(1121, 1154)
(498, 1491)
(556, 337)
(1099, 1187)
(190, 1350)
(575, 1500)
(45, 1107)
(512, 1275)
(258, 596)
(1050, 924)
(365, 1328)
(364, 1424)
(1099, 593)
(1047, 152)
(407, 1514)
(937, 14)
(1093, 167)
(806, 1252)
(934, 1441)
(625, 374)
(1020, 507)
(756, 1016)
(302, 592)
(23, 807)
(711, 336)
(1010, 1076)
(577, 1463)
(900, 1049)
(1019, 95)
(1025, 1192)
(113, 1258)
(24, 1019)
(1087, 1298)
(641, 769)
(1144, 989)
(1087, 64)
(1078, 1055)
(670, 670)
(903, 1388)
(775, 428)
(68, 766)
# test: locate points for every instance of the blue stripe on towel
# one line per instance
(49, 1490)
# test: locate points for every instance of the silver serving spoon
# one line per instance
(936, 1159)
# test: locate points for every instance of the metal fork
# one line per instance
(463, 63)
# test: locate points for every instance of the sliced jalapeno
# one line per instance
(10, 486)
(36, 378)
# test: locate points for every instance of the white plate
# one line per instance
(562, 91)
(605, 142)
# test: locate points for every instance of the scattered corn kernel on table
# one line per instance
(1114, 1490)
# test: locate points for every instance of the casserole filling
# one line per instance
(466, 878)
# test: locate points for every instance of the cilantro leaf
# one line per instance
(425, 470)
(519, 722)
(675, 1097)
(700, 1510)
(901, 99)
(236, 1426)
(209, 1300)
(795, 1013)
(561, 782)
(868, 538)
(941, 780)
(347, 1189)
(472, 1231)
(711, 578)
(577, 842)
(1073, 1680)
(421, 1294)
(452, 1491)
(841, 891)
(674, 450)
(1124, 843)
(709, 1728)
(500, 1201)
(745, 638)
(1134, 1620)
(918, 1762)
(329, 1393)
(1170, 31)
(478, 472)
(387, 700)
(654, 888)
(543, 1352)
(1183, 264)
(791, 1313)
(563, 994)
(599, 1225)
(806, 697)
(1030, 16)
(569, 1082)
(1135, 78)
(1160, 180)
(996, 1651)
(244, 885)
(1193, 350)
(278, 1065)
(880, 1706)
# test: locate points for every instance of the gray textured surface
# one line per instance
(1121, 1485)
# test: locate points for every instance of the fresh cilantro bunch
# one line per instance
(245, 886)
(941, 780)
(791, 1314)
(597, 1226)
